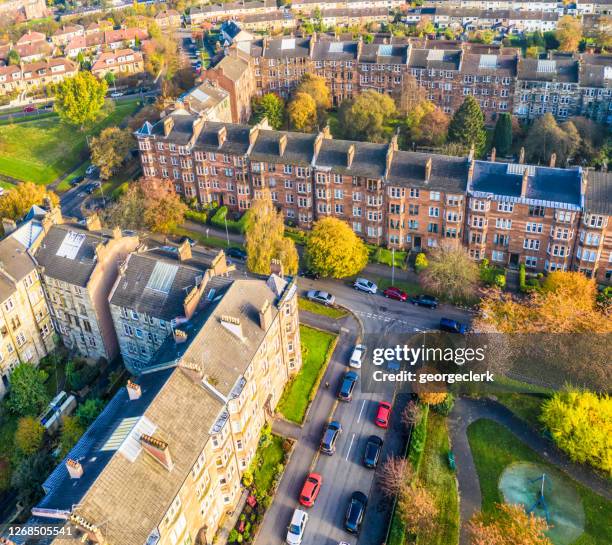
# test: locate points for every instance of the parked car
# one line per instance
(310, 490)
(91, 169)
(347, 386)
(308, 273)
(330, 436)
(395, 293)
(427, 301)
(117, 94)
(453, 326)
(76, 180)
(295, 533)
(355, 512)
(372, 451)
(29, 109)
(236, 253)
(321, 297)
(89, 188)
(363, 284)
(357, 355)
(383, 414)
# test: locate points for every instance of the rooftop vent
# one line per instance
(546, 67)
(487, 61)
(133, 390)
(435, 55)
(385, 50)
(70, 245)
(336, 47)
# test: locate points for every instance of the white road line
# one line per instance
(350, 447)
(361, 411)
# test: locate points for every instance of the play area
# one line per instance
(546, 494)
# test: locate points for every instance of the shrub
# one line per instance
(522, 277)
(29, 435)
(79, 374)
(247, 478)
(89, 411)
(446, 406)
(5, 474)
(420, 262)
(500, 281)
(417, 440)
(233, 536)
(492, 276)
(236, 226)
(198, 217)
(28, 395)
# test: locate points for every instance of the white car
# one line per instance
(363, 284)
(357, 355)
(116, 94)
(295, 533)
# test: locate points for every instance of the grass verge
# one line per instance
(270, 456)
(214, 242)
(322, 310)
(411, 288)
(317, 348)
(494, 447)
(64, 185)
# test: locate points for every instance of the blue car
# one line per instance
(347, 386)
(452, 326)
(355, 512)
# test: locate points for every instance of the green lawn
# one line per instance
(318, 308)
(43, 150)
(525, 406)
(271, 455)
(214, 242)
(494, 447)
(64, 185)
(317, 348)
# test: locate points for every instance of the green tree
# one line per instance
(367, 116)
(502, 136)
(302, 112)
(334, 250)
(427, 124)
(29, 435)
(78, 100)
(27, 396)
(270, 106)
(28, 476)
(110, 148)
(546, 137)
(467, 126)
(15, 203)
(13, 57)
(110, 78)
(88, 411)
(265, 238)
(569, 33)
(72, 430)
(317, 88)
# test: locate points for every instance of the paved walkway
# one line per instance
(468, 410)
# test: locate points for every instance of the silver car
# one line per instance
(363, 284)
(321, 297)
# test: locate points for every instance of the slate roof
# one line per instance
(565, 71)
(447, 173)
(182, 129)
(555, 185)
(232, 67)
(287, 48)
(594, 69)
(334, 51)
(15, 259)
(299, 149)
(506, 65)
(598, 198)
(369, 160)
(237, 140)
(384, 54)
(449, 59)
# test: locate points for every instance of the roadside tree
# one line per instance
(78, 100)
(110, 149)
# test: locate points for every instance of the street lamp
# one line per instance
(393, 266)
(226, 232)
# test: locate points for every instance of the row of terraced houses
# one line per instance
(511, 213)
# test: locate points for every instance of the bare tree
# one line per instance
(418, 510)
(395, 475)
(411, 414)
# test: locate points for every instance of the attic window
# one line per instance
(546, 67)
(488, 61)
(288, 43)
(70, 245)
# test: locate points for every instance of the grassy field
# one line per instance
(318, 308)
(494, 447)
(43, 150)
(317, 348)
(271, 455)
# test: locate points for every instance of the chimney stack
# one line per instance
(133, 390)
(327, 132)
(93, 223)
(75, 469)
(472, 153)
(158, 449)
(8, 225)
(168, 124)
(179, 336)
(350, 155)
(522, 156)
(233, 325)
(184, 250)
(524, 182)
(428, 169)
(221, 136)
(282, 144)
(493, 154)
(276, 267)
(265, 316)
(553, 159)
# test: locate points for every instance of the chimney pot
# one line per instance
(524, 182)
(522, 156)
(168, 125)
(276, 267)
(493, 154)
(428, 169)
(350, 155)
(93, 223)
(75, 469)
(553, 160)
(265, 316)
(158, 449)
(282, 145)
(179, 336)
(221, 136)
(8, 225)
(133, 389)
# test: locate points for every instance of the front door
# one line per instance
(514, 261)
(417, 243)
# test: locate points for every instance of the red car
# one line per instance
(383, 414)
(395, 293)
(310, 490)
(29, 109)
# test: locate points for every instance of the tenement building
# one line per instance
(509, 213)
(163, 461)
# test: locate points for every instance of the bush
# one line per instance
(492, 276)
(29, 435)
(420, 262)
(522, 277)
(500, 281)
(236, 226)
(87, 412)
(247, 478)
(446, 406)
(233, 536)
(198, 217)
(79, 374)
(28, 395)
(71, 433)
(418, 438)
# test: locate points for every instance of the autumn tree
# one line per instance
(411, 414)
(451, 273)
(393, 475)
(409, 94)
(546, 137)
(569, 33)
(603, 34)
(161, 56)
(366, 116)
(427, 124)
(502, 135)
(13, 57)
(418, 510)
(511, 525)
(29, 435)
(580, 423)
(78, 100)
(15, 203)
(71, 432)
(467, 126)
(302, 111)
(265, 239)
(110, 149)
(270, 106)
(592, 149)
(27, 396)
(316, 87)
(334, 250)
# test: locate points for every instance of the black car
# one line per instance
(355, 512)
(372, 451)
(76, 180)
(332, 430)
(313, 275)
(89, 188)
(347, 386)
(236, 253)
(427, 301)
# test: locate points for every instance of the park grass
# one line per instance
(322, 310)
(270, 455)
(317, 348)
(42, 150)
(528, 407)
(494, 447)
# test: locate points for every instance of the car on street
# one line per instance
(309, 273)
(395, 293)
(29, 109)
(372, 451)
(91, 170)
(363, 284)
(321, 297)
(310, 490)
(89, 188)
(453, 326)
(117, 94)
(236, 253)
(295, 532)
(348, 385)
(357, 356)
(427, 301)
(76, 180)
(332, 430)
(383, 414)
(355, 512)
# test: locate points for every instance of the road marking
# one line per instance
(361, 411)
(350, 447)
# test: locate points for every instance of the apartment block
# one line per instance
(163, 461)
(27, 77)
(79, 265)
